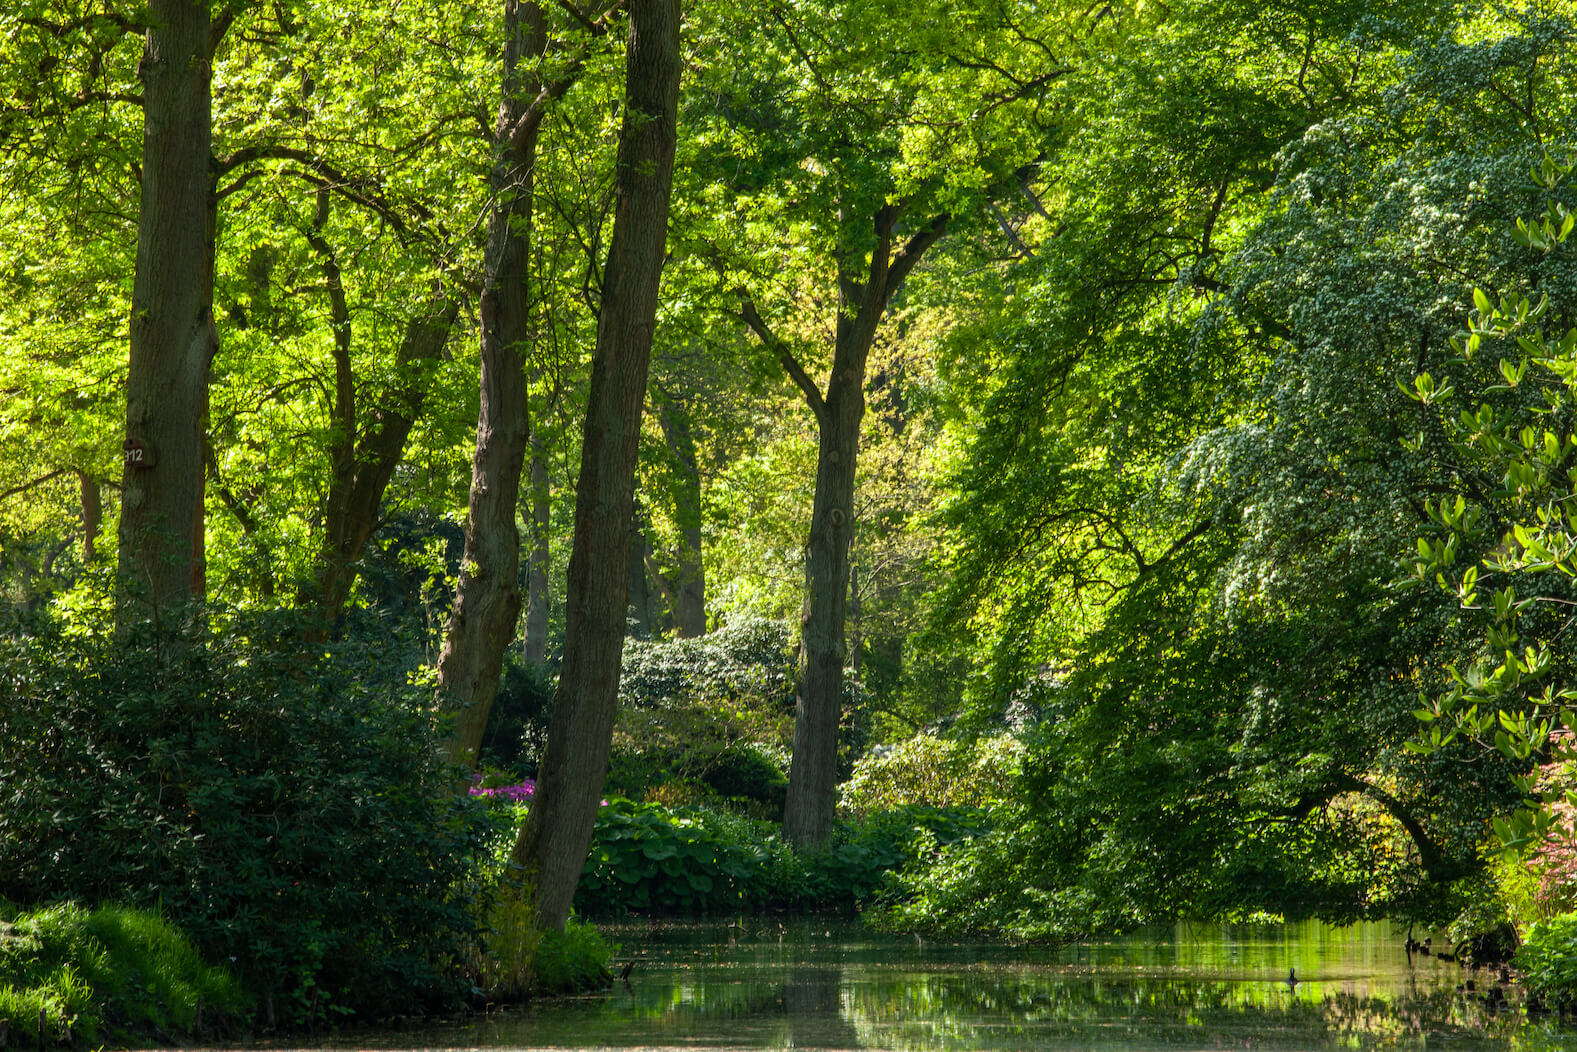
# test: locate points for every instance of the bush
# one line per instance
(750, 659)
(707, 719)
(1548, 960)
(114, 974)
(517, 724)
(936, 771)
(519, 960)
(647, 858)
(278, 797)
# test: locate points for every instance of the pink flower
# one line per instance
(516, 793)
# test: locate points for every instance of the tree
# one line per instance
(291, 286)
(553, 842)
(487, 598)
(871, 206)
(1194, 472)
(1512, 530)
(173, 338)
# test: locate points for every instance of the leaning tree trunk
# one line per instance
(365, 459)
(487, 598)
(554, 840)
(173, 339)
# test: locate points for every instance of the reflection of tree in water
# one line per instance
(795, 991)
(992, 1010)
(813, 998)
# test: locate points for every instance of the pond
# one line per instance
(768, 984)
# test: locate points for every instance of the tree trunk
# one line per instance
(866, 284)
(173, 339)
(92, 515)
(688, 584)
(818, 704)
(537, 598)
(553, 841)
(487, 598)
(364, 463)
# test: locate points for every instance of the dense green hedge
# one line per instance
(278, 797)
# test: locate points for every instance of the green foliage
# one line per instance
(277, 796)
(1548, 959)
(646, 858)
(1505, 550)
(517, 724)
(518, 960)
(747, 659)
(574, 960)
(935, 771)
(112, 974)
(711, 713)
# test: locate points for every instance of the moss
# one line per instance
(108, 974)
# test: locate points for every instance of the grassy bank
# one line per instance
(109, 975)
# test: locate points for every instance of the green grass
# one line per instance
(109, 974)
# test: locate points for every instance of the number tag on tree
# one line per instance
(137, 453)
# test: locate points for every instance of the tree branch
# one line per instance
(554, 90)
(909, 256)
(797, 373)
(24, 487)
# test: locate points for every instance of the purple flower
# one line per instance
(512, 793)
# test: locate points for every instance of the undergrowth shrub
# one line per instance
(519, 960)
(112, 974)
(707, 719)
(517, 724)
(647, 858)
(278, 797)
(927, 769)
(1548, 960)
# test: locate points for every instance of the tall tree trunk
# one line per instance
(688, 584)
(867, 281)
(173, 339)
(813, 769)
(487, 598)
(537, 598)
(553, 841)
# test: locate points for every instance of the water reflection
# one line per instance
(778, 986)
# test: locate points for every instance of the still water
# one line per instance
(772, 985)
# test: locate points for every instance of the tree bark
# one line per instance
(487, 598)
(537, 597)
(553, 842)
(867, 281)
(173, 339)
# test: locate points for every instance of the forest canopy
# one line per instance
(1145, 428)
